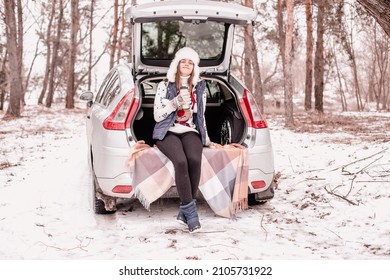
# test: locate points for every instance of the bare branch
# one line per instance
(340, 196)
(345, 165)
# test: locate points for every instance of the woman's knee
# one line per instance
(194, 159)
(181, 165)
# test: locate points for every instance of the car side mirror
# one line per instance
(87, 96)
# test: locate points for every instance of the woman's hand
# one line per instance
(183, 98)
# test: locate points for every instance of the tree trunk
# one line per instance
(20, 48)
(3, 82)
(252, 68)
(380, 10)
(282, 36)
(288, 82)
(309, 56)
(48, 53)
(319, 60)
(91, 27)
(15, 77)
(258, 88)
(32, 65)
(114, 34)
(247, 60)
(121, 31)
(359, 103)
(343, 100)
(2, 97)
(381, 51)
(70, 86)
(54, 58)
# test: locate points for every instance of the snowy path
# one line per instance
(45, 210)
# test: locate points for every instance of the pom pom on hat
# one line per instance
(184, 53)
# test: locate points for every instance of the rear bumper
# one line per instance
(107, 185)
(113, 170)
(261, 167)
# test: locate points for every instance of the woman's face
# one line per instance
(185, 67)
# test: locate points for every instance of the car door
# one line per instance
(161, 28)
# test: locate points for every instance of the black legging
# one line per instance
(185, 152)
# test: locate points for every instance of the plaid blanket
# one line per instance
(223, 181)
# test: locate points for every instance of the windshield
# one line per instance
(161, 40)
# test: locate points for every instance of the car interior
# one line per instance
(225, 123)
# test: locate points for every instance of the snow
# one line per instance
(46, 214)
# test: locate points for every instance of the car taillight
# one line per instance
(251, 111)
(123, 113)
(122, 189)
(258, 184)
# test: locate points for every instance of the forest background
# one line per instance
(302, 55)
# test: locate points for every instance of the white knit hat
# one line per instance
(184, 53)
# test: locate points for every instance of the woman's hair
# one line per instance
(177, 78)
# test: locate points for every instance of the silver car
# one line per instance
(121, 113)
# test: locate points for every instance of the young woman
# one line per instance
(180, 131)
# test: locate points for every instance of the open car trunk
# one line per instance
(225, 123)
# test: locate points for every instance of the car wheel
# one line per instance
(97, 201)
(226, 131)
(252, 201)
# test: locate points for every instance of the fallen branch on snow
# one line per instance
(340, 196)
(345, 165)
(372, 181)
(80, 246)
(261, 224)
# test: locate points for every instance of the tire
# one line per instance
(252, 201)
(232, 127)
(98, 204)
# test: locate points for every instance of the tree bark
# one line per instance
(319, 60)
(3, 81)
(258, 88)
(381, 52)
(31, 66)
(15, 77)
(343, 100)
(48, 54)
(114, 35)
(309, 56)
(252, 68)
(351, 52)
(247, 60)
(54, 58)
(20, 48)
(282, 36)
(121, 31)
(288, 83)
(70, 86)
(380, 10)
(91, 27)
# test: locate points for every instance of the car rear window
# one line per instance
(161, 40)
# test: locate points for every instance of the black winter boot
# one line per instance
(181, 219)
(191, 215)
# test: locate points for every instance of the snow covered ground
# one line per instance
(332, 201)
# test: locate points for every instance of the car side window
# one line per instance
(111, 90)
(103, 86)
(213, 91)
